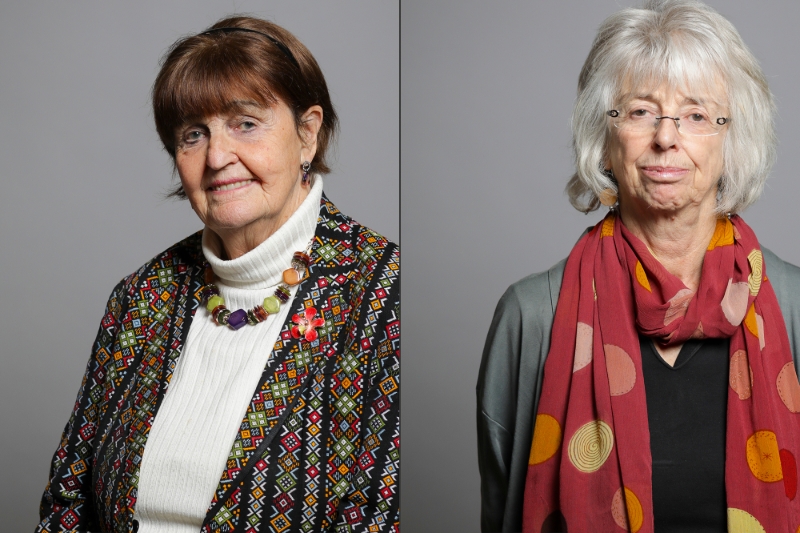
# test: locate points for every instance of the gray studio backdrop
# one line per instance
(487, 94)
(83, 177)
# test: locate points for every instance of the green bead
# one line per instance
(213, 302)
(272, 304)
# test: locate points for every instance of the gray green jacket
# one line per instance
(510, 381)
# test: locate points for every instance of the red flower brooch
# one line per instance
(306, 325)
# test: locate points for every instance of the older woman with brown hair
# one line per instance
(247, 378)
(648, 382)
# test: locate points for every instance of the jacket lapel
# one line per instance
(150, 338)
(294, 364)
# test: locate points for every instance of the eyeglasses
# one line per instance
(643, 119)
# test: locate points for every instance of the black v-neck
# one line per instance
(688, 350)
(686, 412)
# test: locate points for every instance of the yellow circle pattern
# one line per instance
(590, 446)
(743, 522)
(546, 439)
(763, 456)
(756, 271)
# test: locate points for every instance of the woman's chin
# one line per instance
(652, 208)
(235, 216)
(234, 224)
(660, 205)
(665, 207)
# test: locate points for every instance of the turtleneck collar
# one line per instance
(263, 266)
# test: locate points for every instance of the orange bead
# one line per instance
(291, 276)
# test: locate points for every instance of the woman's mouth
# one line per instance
(659, 172)
(230, 186)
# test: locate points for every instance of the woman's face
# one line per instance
(241, 170)
(665, 171)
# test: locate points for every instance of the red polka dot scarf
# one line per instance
(590, 464)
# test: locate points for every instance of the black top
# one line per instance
(686, 411)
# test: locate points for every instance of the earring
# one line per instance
(608, 197)
(306, 166)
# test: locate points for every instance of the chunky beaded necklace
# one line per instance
(222, 316)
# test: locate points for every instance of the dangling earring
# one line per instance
(306, 166)
(608, 197)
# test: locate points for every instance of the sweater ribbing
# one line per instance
(214, 380)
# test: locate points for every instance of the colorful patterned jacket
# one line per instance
(319, 447)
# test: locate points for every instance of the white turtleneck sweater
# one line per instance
(214, 380)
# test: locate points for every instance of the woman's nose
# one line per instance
(221, 151)
(667, 132)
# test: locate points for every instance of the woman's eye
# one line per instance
(639, 113)
(247, 125)
(696, 117)
(192, 136)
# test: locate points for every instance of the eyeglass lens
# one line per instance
(693, 121)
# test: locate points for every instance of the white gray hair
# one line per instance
(683, 43)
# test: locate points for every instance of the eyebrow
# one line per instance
(686, 101)
(235, 106)
(245, 103)
(242, 105)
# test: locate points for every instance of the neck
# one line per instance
(677, 240)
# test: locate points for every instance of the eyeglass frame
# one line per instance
(677, 120)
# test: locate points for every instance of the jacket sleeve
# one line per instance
(496, 409)
(509, 385)
(66, 504)
(372, 502)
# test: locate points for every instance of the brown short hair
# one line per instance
(201, 74)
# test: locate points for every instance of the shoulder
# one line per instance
(785, 281)
(343, 241)
(534, 296)
(520, 331)
(786, 275)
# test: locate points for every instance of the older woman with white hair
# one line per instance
(648, 382)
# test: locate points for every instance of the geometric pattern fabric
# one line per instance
(319, 446)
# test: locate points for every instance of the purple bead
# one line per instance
(237, 319)
(209, 291)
